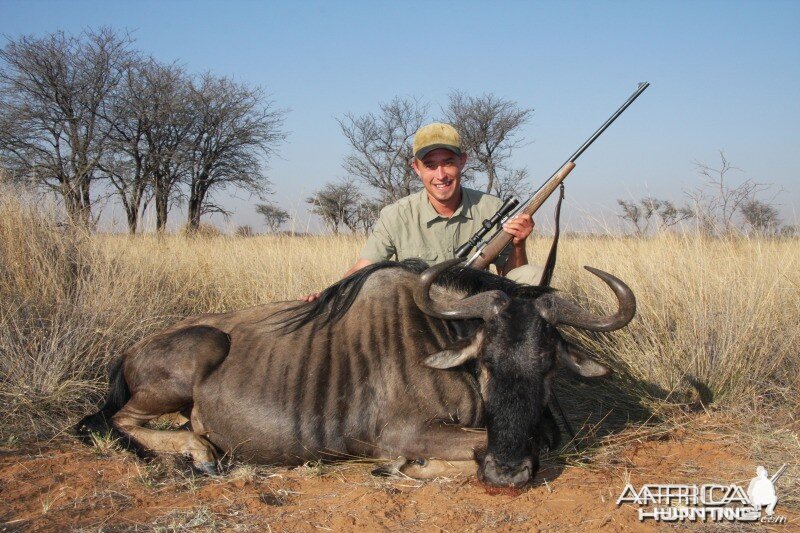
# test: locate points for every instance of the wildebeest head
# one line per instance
(517, 347)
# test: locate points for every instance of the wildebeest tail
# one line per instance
(118, 395)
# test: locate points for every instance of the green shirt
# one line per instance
(411, 228)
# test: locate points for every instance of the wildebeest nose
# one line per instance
(509, 475)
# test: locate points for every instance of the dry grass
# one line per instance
(717, 316)
(717, 323)
(71, 301)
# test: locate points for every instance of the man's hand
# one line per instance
(519, 227)
(310, 297)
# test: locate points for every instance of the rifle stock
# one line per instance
(487, 252)
(500, 239)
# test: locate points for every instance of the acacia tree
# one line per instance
(167, 130)
(366, 215)
(648, 210)
(489, 128)
(233, 131)
(381, 147)
(128, 162)
(514, 182)
(273, 215)
(760, 217)
(54, 110)
(671, 215)
(338, 204)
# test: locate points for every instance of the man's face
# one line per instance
(440, 172)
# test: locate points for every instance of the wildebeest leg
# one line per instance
(433, 468)
(161, 377)
(435, 451)
(136, 413)
(426, 468)
(176, 419)
(436, 441)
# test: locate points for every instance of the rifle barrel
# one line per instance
(486, 251)
(639, 90)
(777, 475)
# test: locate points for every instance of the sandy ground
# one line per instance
(66, 485)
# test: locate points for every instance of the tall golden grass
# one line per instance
(717, 317)
(718, 320)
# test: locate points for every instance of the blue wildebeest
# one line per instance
(392, 362)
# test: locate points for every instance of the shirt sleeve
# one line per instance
(379, 245)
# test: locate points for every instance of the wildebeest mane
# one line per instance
(334, 302)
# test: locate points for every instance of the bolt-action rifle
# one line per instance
(487, 251)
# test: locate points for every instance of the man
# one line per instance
(433, 223)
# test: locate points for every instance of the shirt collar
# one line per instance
(463, 210)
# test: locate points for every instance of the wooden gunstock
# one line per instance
(501, 239)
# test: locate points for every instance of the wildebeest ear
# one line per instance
(458, 353)
(581, 361)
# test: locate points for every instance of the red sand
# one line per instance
(66, 484)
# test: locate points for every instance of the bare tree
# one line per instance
(273, 215)
(717, 202)
(234, 130)
(337, 204)
(648, 210)
(381, 147)
(367, 214)
(167, 128)
(54, 99)
(173, 131)
(760, 217)
(671, 215)
(633, 214)
(514, 182)
(148, 156)
(127, 162)
(489, 128)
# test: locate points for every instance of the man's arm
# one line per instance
(520, 227)
(379, 246)
(361, 263)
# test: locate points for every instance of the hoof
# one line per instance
(209, 468)
(387, 470)
(390, 469)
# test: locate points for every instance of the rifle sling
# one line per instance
(550, 264)
(547, 276)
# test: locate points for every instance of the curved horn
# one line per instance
(558, 311)
(484, 305)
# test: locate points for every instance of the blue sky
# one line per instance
(724, 75)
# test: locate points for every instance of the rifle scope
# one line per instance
(487, 226)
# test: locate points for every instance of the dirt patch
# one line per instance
(66, 484)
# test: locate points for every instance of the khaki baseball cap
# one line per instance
(434, 136)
